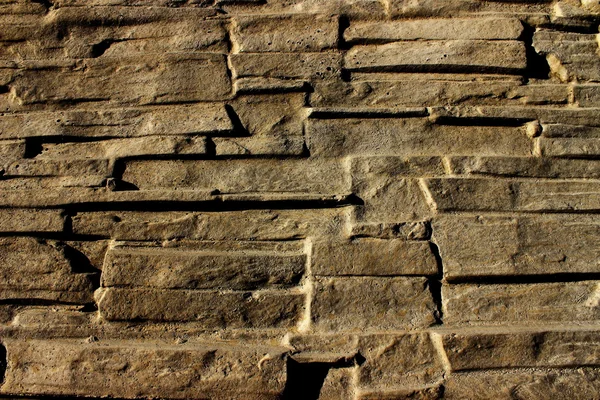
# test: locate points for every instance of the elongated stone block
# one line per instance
(367, 303)
(209, 268)
(440, 56)
(486, 246)
(107, 368)
(373, 257)
(274, 309)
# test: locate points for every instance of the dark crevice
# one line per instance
(238, 127)
(482, 121)
(33, 147)
(3, 362)
(344, 23)
(47, 4)
(546, 278)
(216, 205)
(39, 302)
(435, 284)
(100, 48)
(80, 264)
(4, 89)
(366, 114)
(446, 69)
(59, 236)
(211, 148)
(58, 397)
(537, 65)
(304, 380)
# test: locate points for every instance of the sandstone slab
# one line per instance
(367, 303)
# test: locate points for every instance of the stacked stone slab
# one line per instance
(300, 199)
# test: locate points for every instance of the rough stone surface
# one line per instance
(299, 199)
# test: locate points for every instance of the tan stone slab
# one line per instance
(273, 117)
(370, 92)
(72, 193)
(366, 303)
(198, 119)
(529, 167)
(258, 85)
(130, 147)
(518, 114)
(436, 29)
(511, 303)
(570, 131)
(372, 257)
(26, 220)
(226, 225)
(440, 56)
(190, 268)
(412, 137)
(587, 95)
(388, 188)
(195, 370)
(270, 309)
(420, 392)
(37, 269)
(284, 33)
(505, 348)
(79, 166)
(11, 150)
(466, 194)
(165, 78)
(484, 246)
(287, 65)
(239, 176)
(394, 361)
(285, 146)
(418, 230)
(569, 147)
(580, 383)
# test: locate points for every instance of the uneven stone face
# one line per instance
(202, 369)
(299, 199)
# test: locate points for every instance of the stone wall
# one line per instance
(300, 199)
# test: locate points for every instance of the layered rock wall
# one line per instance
(300, 199)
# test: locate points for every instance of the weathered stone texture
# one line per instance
(300, 199)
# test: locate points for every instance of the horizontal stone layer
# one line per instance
(187, 267)
(239, 176)
(466, 194)
(436, 29)
(158, 79)
(488, 246)
(213, 309)
(202, 119)
(536, 384)
(108, 368)
(373, 257)
(226, 225)
(477, 348)
(412, 137)
(371, 303)
(285, 33)
(440, 56)
(511, 303)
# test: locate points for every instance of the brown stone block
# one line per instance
(132, 369)
(213, 309)
(373, 257)
(371, 304)
(485, 246)
(189, 267)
